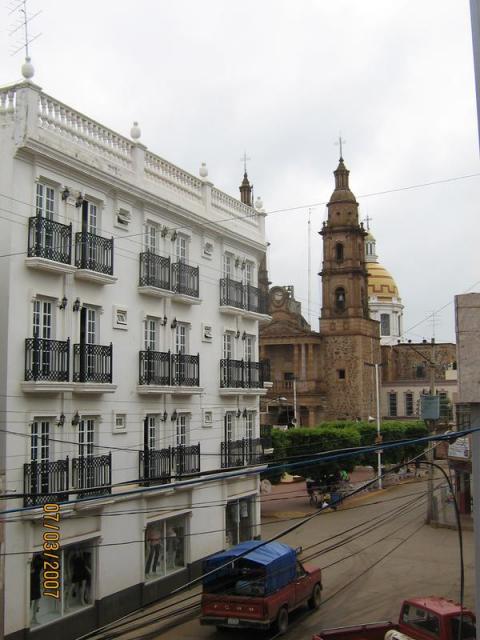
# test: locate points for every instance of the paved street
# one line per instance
(426, 563)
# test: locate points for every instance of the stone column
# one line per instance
(312, 416)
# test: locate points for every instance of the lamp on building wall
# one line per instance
(244, 335)
(79, 200)
(164, 321)
(245, 413)
(174, 236)
(239, 413)
(76, 419)
(174, 415)
(237, 335)
(76, 305)
(63, 303)
(164, 231)
(65, 193)
(174, 323)
(61, 420)
(164, 416)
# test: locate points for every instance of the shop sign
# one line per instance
(460, 449)
(430, 407)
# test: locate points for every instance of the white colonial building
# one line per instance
(130, 377)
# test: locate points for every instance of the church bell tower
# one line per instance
(351, 338)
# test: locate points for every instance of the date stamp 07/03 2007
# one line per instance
(51, 546)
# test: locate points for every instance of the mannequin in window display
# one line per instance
(172, 544)
(35, 592)
(153, 538)
(77, 578)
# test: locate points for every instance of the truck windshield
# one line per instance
(468, 627)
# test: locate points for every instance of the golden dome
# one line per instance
(380, 282)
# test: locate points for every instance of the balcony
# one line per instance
(92, 475)
(242, 377)
(239, 453)
(159, 466)
(244, 299)
(155, 276)
(165, 372)
(94, 258)
(47, 365)
(92, 368)
(45, 482)
(49, 245)
(185, 283)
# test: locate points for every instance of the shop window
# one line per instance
(240, 521)
(164, 547)
(75, 584)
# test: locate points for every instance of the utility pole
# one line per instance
(294, 400)
(378, 439)
(430, 450)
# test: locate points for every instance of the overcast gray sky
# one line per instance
(281, 78)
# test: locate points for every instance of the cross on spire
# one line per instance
(367, 221)
(244, 159)
(340, 144)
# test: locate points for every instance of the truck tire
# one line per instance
(281, 623)
(316, 598)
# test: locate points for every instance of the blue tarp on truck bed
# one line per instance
(278, 560)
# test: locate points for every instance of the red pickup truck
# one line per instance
(430, 618)
(257, 586)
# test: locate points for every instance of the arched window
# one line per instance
(339, 252)
(340, 299)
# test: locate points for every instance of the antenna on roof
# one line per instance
(20, 24)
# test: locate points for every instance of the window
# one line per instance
(409, 403)
(228, 345)
(76, 573)
(341, 374)
(181, 429)
(248, 273)
(181, 337)
(150, 334)
(339, 252)
(288, 378)
(45, 201)
(421, 619)
(151, 238)
(181, 248)
(385, 324)
(240, 520)
(249, 348)
(92, 218)
(165, 547)
(250, 425)
(228, 265)
(40, 441)
(392, 404)
(340, 302)
(420, 371)
(229, 426)
(42, 318)
(86, 437)
(152, 426)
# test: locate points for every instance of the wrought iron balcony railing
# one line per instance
(232, 293)
(49, 239)
(242, 296)
(186, 459)
(92, 363)
(185, 279)
(159, 466)
(94, 252)
(238, 453)
(154, 271)
(45, 482)
(241, 374)
(47, 360)
(92, 475)
(169, 369)
(155, 465)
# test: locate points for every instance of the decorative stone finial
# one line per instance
(135, 131)
(203, 171)
(28, 69)
(259, 204)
